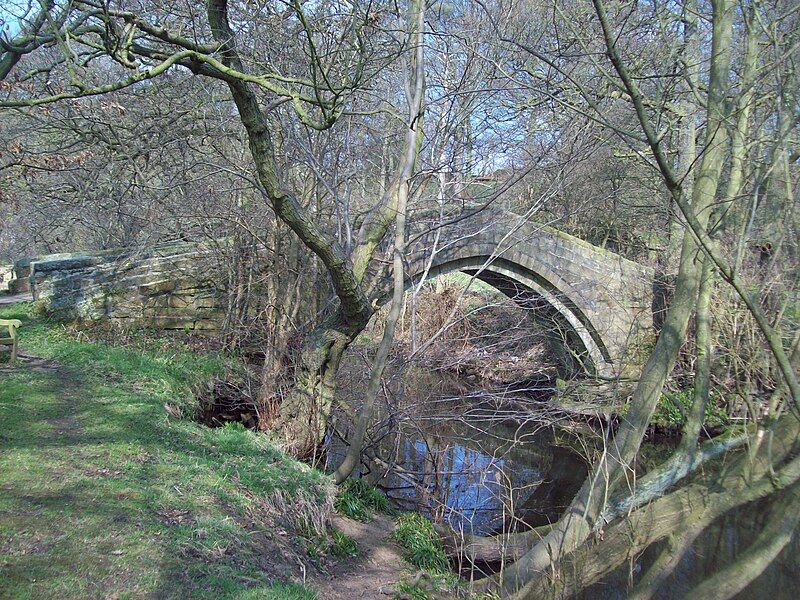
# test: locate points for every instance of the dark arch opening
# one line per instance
(508, 277)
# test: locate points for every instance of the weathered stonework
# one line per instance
(6, 274)
(163, 288)
(604, 299)
(20, 283)
(600, 300)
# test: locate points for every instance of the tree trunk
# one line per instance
(615, 464)
(694, 506)
(415, 93)
(303, 413)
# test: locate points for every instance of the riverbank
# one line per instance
(109, 487)
(108, 490)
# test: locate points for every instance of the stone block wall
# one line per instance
(171, 287)
(605, 299)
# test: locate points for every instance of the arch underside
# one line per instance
(532, 291)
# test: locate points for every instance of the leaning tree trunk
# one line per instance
(298, 422)
(582, 517)
(678, 515)
(304, 409)
(302, 417)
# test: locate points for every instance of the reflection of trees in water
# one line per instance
(718, 546)
(466, 479)
(483, 463)
(469, 457)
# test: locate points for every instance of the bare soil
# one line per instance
(374, 572)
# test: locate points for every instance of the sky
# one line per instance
(12, 12)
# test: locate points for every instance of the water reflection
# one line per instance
(477, 482)
(453, 464)
(480, 475)
(718, 546)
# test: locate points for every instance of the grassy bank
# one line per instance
(103, 494)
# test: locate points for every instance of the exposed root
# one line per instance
(224, 401)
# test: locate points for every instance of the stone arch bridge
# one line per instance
(600, 300)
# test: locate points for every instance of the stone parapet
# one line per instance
(171, 287)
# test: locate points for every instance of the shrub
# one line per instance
(422, 545)
(358, 500)
(672, 407)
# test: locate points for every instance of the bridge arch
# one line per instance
(600, 299)
(530, 290)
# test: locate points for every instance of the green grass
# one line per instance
(103, 494)
(342, 544)
(413, 591)
(423, 548)
(421, 544)
(358, 500)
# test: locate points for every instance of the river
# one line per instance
(461, 455)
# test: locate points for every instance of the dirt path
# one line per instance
(375, 571)
(7, 300)
(36, 365)
(373, 574)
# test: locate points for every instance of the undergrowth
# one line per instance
(421, 544)
(423, 549)
(332, 543)
(358, 500)
(342, 544)
(673, 407)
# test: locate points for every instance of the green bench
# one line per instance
(11, 326)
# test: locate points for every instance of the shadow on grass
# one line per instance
(102, 493)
